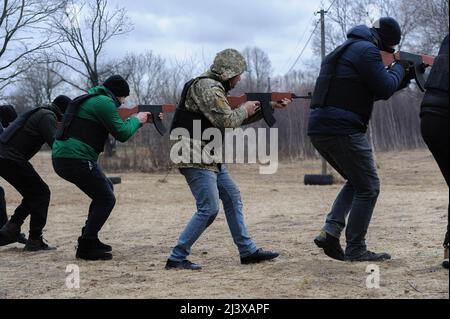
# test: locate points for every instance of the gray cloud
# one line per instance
(177, 28)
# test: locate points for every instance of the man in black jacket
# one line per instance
(434, 116)
(352, 78)
(18, 144)
(7, 115)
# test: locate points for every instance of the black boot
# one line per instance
(370, 256)
(40, 244)
(106, 248)
(22, 239)
(259, 256)
(9, 234)
(331, 246)
(102, 246)
(90, 249)
(445, 263)
(182, 265)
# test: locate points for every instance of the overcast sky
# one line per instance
(201, 28)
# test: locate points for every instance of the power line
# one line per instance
(309, 40)
(331, 5)
(304, 48)
(300, 41)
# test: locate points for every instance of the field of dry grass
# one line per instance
(281, 213)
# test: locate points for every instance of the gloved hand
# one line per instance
(409, 73)
(409, 68)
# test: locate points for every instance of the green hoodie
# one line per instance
(103, 110)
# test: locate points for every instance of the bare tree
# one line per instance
(179, 71)
(24, 32)
(411, 15)
(39, 82)
(86, 28)
(259, 69)
(146, 73)
(433, 25)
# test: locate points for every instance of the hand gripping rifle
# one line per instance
(155, 110)
(420, 63)
(265, 99)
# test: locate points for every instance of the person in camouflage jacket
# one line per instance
(208, 96)
(212, 183)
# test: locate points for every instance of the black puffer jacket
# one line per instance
(436, 99)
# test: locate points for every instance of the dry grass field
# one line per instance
(281, 213)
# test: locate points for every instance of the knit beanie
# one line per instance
(388, 30)
(118, 86)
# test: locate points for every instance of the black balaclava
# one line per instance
(7, 114)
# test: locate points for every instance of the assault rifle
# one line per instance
(420, 63)
(265, 100)
(154, 110)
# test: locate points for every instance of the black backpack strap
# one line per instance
(184, 118)
(70, 115)
(187, 86)
(86, 131)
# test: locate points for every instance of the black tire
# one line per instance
(319, 180)
(115, 180)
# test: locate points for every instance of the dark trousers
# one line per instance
(436, 135)
(3, 216)
(352, 157)
(35, 192)
(89, 178)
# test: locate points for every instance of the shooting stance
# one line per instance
(434, 116)
(204, 100)
(18, 144)
(80, 140)
(351, 79)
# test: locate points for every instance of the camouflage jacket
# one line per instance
(209, 97)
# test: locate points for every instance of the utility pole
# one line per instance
(322, 31)
(323, 49)
(323, 179)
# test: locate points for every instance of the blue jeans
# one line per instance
(352, 157)
(209, 188)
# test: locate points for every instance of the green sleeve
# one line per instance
(121, 130)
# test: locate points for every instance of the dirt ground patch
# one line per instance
(281, 213)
